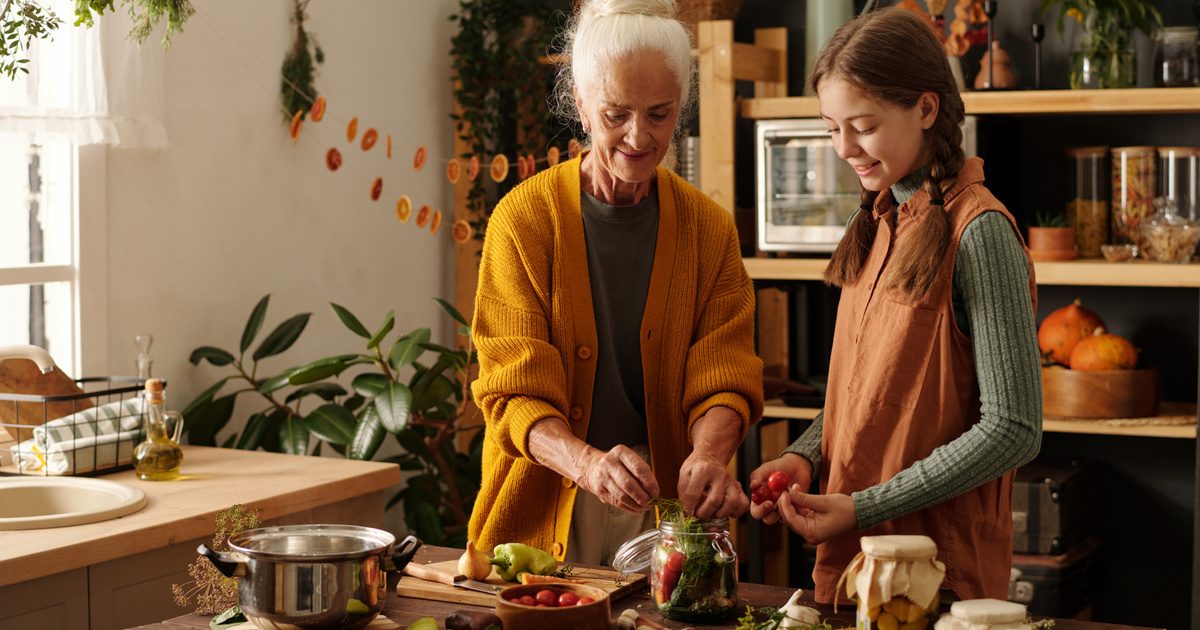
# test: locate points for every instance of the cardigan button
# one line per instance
(557, 549)
(584, 352)
(576, 413)
(567, 483)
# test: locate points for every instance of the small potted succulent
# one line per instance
(1051, 237)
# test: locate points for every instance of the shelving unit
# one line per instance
(722, 62)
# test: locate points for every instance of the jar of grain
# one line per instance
(1088, 209)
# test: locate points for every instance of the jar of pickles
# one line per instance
(1088, 210)
(1133, 190)
(907, 570)
(1179, 179)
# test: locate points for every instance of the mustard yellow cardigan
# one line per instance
(535, 333)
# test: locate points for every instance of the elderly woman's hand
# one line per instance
(707, 490)
(619, 477)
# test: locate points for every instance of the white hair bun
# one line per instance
(603, 8)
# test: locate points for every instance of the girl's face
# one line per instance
(630, 110)
(883, 142)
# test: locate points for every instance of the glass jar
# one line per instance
(984, 614)
(1133, 183)
(693, 568)
(1179, 178)
(1088, 210)
(1175, 57)
(907, 570)
(1167, 236)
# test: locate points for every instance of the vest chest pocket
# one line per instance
(894, 352)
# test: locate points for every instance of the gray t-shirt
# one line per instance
(620, 250)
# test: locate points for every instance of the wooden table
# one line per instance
(405, 610)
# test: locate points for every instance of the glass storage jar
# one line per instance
(1179, 179)
(1133, 183)
(984, 614)
(1175, 57)
(1088, 210)
(907, 570)
(1167, 236)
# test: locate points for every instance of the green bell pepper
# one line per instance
(513, 558)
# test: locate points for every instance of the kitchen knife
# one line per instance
(441, 576)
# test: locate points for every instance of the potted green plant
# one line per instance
(1051, 237)
(407, 387)
(1104, 57)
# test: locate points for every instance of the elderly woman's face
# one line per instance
(630, 110)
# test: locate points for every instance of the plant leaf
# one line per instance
(213, 355)
(427, 524)
(321, 368)
(452, 312)
(206, 421)
(282, 337)
(252, 435)
(327, 391)
(332, 423)
(277, 382)
(393, 405)
(254, 324)
(368, 435)
(293, 436)
(369, 385)
(205, 396)
(406, 350)
(388, 323)
(350, 320)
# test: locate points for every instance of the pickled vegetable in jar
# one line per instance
(1133, 184)
(896, 579)
(984, 614)
(694, 570)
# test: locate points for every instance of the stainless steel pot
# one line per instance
(312, 576)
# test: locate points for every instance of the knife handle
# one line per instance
(426, 572)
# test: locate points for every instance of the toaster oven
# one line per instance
(806, 193)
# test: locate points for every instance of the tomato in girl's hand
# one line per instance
(568, 599)
(778, 481)
(583, 601)
(761, 494)
(546, 597)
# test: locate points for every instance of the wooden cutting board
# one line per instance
(19, 376)
(606, 579)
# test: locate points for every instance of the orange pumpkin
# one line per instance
(1103, 351)
(1064, 328)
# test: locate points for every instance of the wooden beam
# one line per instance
(717, 111)
(771, 42)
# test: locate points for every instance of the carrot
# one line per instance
(530, 578)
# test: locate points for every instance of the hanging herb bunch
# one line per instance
(21, 22)
(146, 15)
(501, 87)
(299, 88)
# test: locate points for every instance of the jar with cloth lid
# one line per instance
(896, 579)
(984, 614)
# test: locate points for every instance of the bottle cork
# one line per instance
(154, 389)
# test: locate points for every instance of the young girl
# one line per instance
(934, 390)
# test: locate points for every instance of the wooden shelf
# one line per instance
(776, 409)
(1090, 272)
(1131, 101)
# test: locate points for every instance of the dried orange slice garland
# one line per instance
(499, 168)
(437, 222)
(403, 208)
(453, 170)
(352, 129)
(461, 231)
(389, 146)
(473, 168)
(423, 215)
(552, 156)
(318, 109)
(333, 159)
(573, 148)
(376, 188)
(369, 138)
(419, 159)
(297, 121)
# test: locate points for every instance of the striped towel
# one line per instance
(85, 441)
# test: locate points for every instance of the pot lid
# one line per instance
(311, 542)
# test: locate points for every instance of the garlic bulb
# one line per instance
(797, 616)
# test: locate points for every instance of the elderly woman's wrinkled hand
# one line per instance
(707, 490)
(620, 477)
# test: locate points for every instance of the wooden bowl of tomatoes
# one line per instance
(554, 605)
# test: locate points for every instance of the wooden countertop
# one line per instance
(405, 610)
(183, 509)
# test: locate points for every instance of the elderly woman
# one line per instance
(614, 318)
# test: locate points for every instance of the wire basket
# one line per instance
(84, 434)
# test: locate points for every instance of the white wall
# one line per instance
(232, 209)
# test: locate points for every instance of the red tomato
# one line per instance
(674, 562)
(761, 494)
(568, 599)
(546, 597)
(670, 580)
(527, 600)
(584, 601)
(778, 481)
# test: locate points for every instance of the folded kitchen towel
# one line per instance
(85, 441)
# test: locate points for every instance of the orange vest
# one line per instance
(902, 383)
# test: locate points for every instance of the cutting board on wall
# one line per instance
(606, 579)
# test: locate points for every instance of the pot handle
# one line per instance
(404, 553)
(225, 562)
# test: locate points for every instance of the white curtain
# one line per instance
(87, 85)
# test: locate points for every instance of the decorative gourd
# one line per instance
(1064, 328)
(1103, 351)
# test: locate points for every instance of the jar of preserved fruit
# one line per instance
(1179, 179)
(1133, 189)
(984, 614)
(1088, 209)
(906, 569)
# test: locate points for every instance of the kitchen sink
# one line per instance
(40, 502)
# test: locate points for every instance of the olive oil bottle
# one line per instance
(158, 458)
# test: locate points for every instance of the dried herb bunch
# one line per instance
(299, 87)
(211, 590)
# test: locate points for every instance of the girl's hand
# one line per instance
(817, 517)
(707, 490)
(797, 468)
(619, 477)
